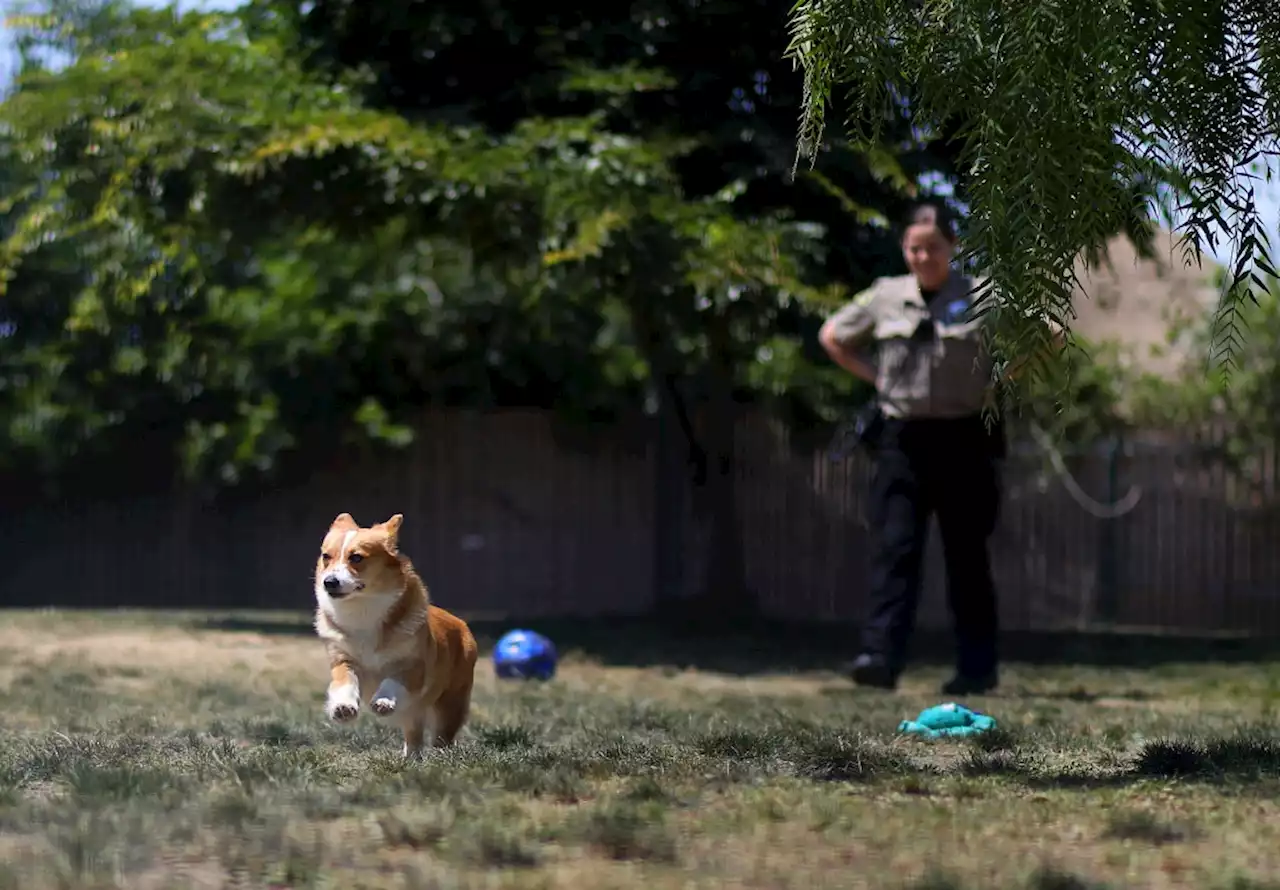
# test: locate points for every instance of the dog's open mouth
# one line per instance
(342, 592)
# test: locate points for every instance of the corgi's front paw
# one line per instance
(343, 705)
(387, 697)
(343, 713)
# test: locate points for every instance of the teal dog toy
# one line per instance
(947, 721)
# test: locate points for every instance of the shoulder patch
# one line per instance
(957, 310)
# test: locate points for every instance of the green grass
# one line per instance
(148, 751)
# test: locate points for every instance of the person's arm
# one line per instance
(845, 333)
(1057, 340)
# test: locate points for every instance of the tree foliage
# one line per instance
(1233, 425)
(228, 234)
(1227, 427)
(241, 250)
(708, 74)
(1070, 118)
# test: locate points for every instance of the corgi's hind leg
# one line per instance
(415, 731)
(450, 713)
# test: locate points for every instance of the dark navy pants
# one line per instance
(948, 469)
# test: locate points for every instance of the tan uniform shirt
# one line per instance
(941, 373)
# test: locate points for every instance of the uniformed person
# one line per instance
(934, 453)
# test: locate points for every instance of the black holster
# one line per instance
(865, 430)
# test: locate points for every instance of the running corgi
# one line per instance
(411, 662)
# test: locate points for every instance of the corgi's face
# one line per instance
(357, 563)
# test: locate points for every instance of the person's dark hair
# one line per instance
(934, 212)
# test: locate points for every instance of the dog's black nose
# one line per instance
(331, 583)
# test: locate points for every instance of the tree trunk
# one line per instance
(708, 480)
(725, 593)
(724, 585)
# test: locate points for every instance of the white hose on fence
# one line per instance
(841, 446)
(1078, 494)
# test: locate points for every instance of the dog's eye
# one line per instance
(355, 558)
(325, 558)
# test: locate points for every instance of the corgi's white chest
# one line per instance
(364, 648)
(357, 636)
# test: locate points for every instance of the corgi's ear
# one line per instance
(391, 528)
(343, 521)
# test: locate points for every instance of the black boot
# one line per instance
(964, 685)
(873, 671)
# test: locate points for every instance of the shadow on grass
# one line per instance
(1043, 878)
(748, 649)
(1237, 760)
(1046, 877)
(719, 759)
(456, 794)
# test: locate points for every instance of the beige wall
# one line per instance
(1134, 302)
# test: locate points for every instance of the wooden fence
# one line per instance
(507, 515)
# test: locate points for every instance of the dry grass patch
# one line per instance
(145, 751)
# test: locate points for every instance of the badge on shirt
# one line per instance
(956, 312)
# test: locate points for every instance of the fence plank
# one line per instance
(503, 515)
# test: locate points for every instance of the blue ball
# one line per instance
(524, 655)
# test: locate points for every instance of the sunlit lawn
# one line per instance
(152, 752)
